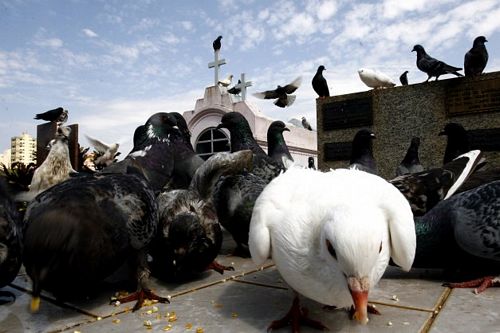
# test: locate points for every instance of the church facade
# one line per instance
(208, 111)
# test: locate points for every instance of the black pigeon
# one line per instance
(433, 67)
(190, 236)
(425, 189)
(10, 237)
(58, 115)
(235, 195)
(186, 161)
(463, 232)
(319, 83)
(216, 44)
(82, 230)
(306, 124)
(276, 145)
(153, 155)
(310, 163)
(234, 90)
(411, 162)
(404, 78)
(476, 58)
(281, 94)
(457, 141)
(362, 152)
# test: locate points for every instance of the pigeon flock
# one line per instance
(331, 234)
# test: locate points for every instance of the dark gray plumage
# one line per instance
(310, 163)
(10, 237)
(82, 230)
(319, 83)
(411, 162)
(457, 141)
(58, 115)
(463, 232)
(476, 58)
(425, 189)
(190, 236)
(362, 152)
(433, 67)
(217, 43)
(235, 195)
(404, 78)
(282, 95)
(234, 90)
(276, 144)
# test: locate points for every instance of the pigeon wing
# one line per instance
(98, 145)
(294, 85)
(268, 94)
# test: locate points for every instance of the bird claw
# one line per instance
(480, 284)
(296, 317)
(219, 268)
(140, 296)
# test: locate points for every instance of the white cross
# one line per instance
(243, 86)
(216, 64)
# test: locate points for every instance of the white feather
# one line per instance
(354, 210)
(375, 79)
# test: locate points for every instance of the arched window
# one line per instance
(212, 141)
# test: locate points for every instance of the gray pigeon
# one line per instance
(276, 145)
(411, 162)
(362, 152)
(433, 67)
(319, 83)
(404, 78)
(306, 124)
(58, 115)
(476, 59)
(216, 44)
(234, 90)
(282, 95)
(310, 163)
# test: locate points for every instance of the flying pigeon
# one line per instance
(227, 81)
(362, 152)
(106, 152)
(56, 167)
(319, 83)
(433, 67)
(310, 163)
(375, 79)
(216, 44)
(234, 90)
(235, 195)
(457, 141)
(411, 162)
(10, 237)
(281, 94)
(335, 245)
(404, 78)
(276, 145)
(476, 58)
(82, 230)
(462, 232)
(58, 115)
(306, 124)
(152, 153)
(190, 236)
(426, 188)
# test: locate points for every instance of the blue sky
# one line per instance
(114, 63)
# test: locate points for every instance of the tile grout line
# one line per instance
(437, 310)
(407, 307)
(260, 284)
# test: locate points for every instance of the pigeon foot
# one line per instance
(219, 268)
(370, 308)
(480, 284)
(296, 317)
(140, 296)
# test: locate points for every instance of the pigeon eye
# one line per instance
(330, 248)
(380, 248)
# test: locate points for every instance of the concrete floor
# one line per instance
(248, 299)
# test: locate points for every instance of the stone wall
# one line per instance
(399, 113)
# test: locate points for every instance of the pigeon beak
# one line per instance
(221, 125)
(373, 136)
(359, 293)
(286, 129)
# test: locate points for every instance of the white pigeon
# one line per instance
(108, 152)
(331, 241)
(56, 167)
(227, 81)
(375, 79)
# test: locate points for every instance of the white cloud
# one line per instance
(89, 33)
(326, 10)
(187, 25)
(49, 42)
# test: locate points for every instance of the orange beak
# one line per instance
(360, 299)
